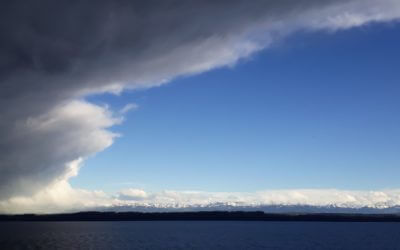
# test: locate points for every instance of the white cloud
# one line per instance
(61, 197)
(58, 196)
(354, 13)
(132, 194)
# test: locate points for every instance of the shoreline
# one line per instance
(203, 216)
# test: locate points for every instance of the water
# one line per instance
(199, 235)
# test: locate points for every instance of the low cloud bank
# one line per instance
(61, 197)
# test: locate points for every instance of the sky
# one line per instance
(114, 103)
(315, 111)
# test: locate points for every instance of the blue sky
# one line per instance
(316, 110)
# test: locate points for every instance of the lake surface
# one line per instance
(199, 235)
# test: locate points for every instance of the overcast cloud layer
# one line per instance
(54, 53)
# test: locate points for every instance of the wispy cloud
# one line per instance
(128, 107)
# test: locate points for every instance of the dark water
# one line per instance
(199, 235)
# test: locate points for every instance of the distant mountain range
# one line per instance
(381, 209)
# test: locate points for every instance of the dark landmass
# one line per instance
(203, 216)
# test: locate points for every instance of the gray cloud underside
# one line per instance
(54, 53)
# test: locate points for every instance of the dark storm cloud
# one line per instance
(53, 53)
